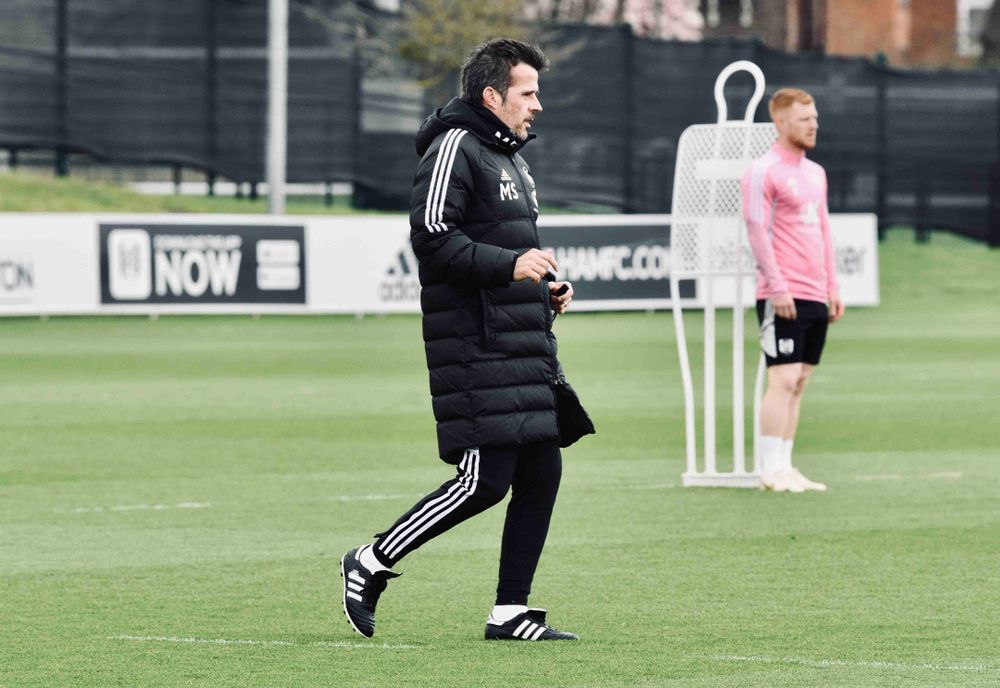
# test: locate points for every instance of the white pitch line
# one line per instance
(136, 507)
(372, 497)
(629, 488)
(339, 644)
(946, 475)
(760, 659)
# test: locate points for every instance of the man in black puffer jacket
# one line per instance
(488, 298)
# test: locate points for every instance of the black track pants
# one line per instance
(532, 474)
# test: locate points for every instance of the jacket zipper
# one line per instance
(531, 210)
(553, 365)
(486, 320)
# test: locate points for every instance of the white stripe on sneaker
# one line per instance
(354, 596)
(524, 624)
(536, 636)
(354, 575)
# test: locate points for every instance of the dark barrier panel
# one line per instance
(182, 264)
(582, 148)
(616, 263)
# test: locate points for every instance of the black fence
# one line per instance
(184, 84)
(917, 148)
(178, 83)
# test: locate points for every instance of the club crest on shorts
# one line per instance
(786, 346)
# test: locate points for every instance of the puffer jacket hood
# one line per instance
(475, 119)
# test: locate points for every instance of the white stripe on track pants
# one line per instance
(484, 476)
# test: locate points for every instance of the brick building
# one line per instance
(907, 32)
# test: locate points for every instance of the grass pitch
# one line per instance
(175, 496)
(27, 192)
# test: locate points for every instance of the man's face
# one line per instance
(519, 107)
(798, 125)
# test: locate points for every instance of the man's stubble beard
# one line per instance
(520, 132)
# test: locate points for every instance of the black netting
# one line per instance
(185, 83)
(583, 132)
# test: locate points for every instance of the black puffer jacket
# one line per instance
(490, 348)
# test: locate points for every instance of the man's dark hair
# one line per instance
(489, 64)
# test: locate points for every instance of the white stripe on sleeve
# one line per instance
(438, 191)
(757, 191)
(434, 177)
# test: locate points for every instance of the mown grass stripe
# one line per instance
(874, 664)
(338, 644)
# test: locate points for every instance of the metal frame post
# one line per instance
(277, 105)
(211, 92)
(62, 87)
(707, 270)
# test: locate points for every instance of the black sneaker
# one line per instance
(527, 626)
(361, 592)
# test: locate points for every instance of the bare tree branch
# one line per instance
(438, 35)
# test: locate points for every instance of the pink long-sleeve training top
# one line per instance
(784, 205)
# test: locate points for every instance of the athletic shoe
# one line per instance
(361, 592)
(782, 481)
(806, 483)
(527, 626)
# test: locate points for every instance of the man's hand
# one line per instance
(836, 308)
(784, 306)
(560, 301)
(534, 265)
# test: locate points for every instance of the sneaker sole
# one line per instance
(343, 598)
(788, 488)
(511, 639)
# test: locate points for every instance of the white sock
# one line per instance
(786, 458)
(771, 450)
(502, 613)
(368, 559)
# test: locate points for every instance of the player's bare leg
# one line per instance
(775, 409)
(791, 425)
